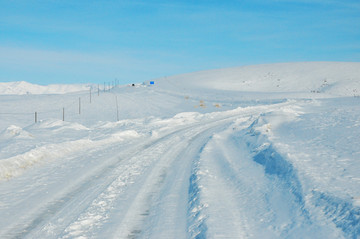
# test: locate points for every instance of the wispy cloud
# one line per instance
(67, 66)
(51, 59)
(339, 3)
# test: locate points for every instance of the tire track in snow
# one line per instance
(71, 198)
(134, 222)
(98, 212)
(214, 195)
(92, 183)
(138, 215)
(170, 211)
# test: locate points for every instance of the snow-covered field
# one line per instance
(266, 151)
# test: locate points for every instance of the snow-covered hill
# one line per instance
(22, 88)
(333, 78)
(266, 151)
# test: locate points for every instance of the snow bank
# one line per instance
(14, 131)
(330, 194)
(58, 125)
(16, 165)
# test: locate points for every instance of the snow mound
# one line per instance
(23, 88)
(58, 125)
(14, 131)
(16, 165)
(127, 134)
(336, 78)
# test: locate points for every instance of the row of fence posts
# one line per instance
(114, 84)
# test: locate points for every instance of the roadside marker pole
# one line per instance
(35, 117)
(117, 109)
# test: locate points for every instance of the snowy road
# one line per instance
(149, 189)
(143, 189)
(192, 176)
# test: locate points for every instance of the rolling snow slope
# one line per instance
(268, 151)
(331, 78)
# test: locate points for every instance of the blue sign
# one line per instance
(152, 82)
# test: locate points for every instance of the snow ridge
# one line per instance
(343, 213)
(274, 164)
(197, 219)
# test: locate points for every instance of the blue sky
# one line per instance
(63, 41)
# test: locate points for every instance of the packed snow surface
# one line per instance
(266, 151)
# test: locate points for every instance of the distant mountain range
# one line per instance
(22, 88)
